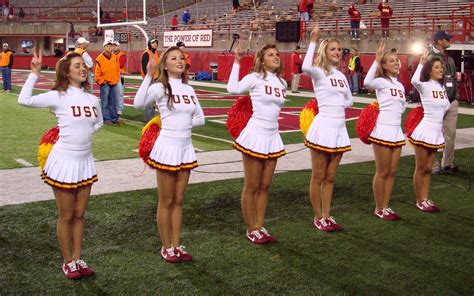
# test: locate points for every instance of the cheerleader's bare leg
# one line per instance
(394, 161)
(253, 173)
(262, 193)
(328, 183)
(166, 194)
(424, 159)
(386, 163)
(319, 163)
(177, 208)
(65, 201)
(82, 199)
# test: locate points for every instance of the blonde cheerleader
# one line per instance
(69, 168)
(173, 154)
(327, 136)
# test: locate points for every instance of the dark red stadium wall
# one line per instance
(200, 62)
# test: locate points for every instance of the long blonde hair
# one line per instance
(258, 67)
(163, 76)
(321, 58)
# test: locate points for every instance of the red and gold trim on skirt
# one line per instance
(426, 145)
(386, 143)
(327, 149)
(63, 185)
(172, 168)
(259, 155)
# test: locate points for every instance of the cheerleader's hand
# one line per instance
(36, 61)
(315, 33)
(380, 51)
(239, 53)
(424, 57)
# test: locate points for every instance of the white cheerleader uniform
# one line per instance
(260, 137)
(173, 149)
(391, 98)
(328, 132)
(429, 132)
(70, 163)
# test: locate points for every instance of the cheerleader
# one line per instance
(69, 168)
(427, 137)
(173, 154)
(327, 136)
(387, 137)
(259, 142)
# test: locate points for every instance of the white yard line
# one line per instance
(23, 162)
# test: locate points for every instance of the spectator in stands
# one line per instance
(101, 14)
(296, 69)
(122, 59)
(174, 23)
(81, 48)
(354, 14)
(72, 31)
(107, 18)
(5, 13)
(147, 56)
(6, 66)
(236, 6)
(310, 8)
(386, 13)
(11, 14)
(21, 13)
(124, 14)
(186, 17)
(107, 75)
(441, 42)
(355, 69)
(303, 10)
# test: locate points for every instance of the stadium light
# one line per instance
(417, 48)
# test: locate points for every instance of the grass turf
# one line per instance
(420, 254)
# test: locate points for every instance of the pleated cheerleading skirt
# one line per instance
(172, 154)
(387, 135)
(69, 169)
(260, 142)
(428, 134)
(328, 134)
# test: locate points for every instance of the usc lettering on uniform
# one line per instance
(338, 82)
(88, 111)
(396, 92)
(437, 94)
(185, 98)
(278, 91)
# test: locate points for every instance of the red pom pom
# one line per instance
(366, 122)
(238, 116)
(51, 136)
(413, 119)
(312, 105)
(148, 140)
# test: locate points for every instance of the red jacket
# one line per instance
(303, 7)
(385, 11)
(297, 62)
(354, 13)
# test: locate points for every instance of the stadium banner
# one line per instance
(192, 38)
